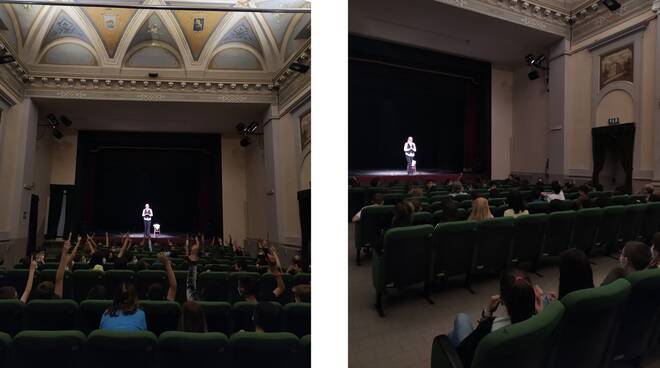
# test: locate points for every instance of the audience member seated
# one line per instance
(520, 301)
(302, 293)
(574, 272)
(403, 214)
(456, 188)
(516, 205)
(9, 292)
(155, 290)
(266, 317)
(449, 210)
(430, 185)
(583, 200)
(655, 253)
(480, 210)
(376, 200)
(556, 194)
(649, 191)
(192, 318)
(375, 182)
(537, 196)
(296, 265)
(124, 314)
(635, 256)
(416, 204)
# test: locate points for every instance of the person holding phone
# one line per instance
(521, 301)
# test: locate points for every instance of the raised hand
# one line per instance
(162, 257)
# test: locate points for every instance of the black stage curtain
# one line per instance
(397, 91)
(179, 175)
(615, 139)
(305, 213)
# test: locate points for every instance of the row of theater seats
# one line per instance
(144, 349)
(217, 286)
(161, 316)
(423, 253)
(589, 328)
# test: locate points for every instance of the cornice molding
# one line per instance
(526, 13)
(602, 18)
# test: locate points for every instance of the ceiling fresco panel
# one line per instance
(198, 26)
(110, 24)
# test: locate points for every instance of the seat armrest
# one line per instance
(443, 354)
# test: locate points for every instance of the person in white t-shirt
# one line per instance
(556, 193)
(147, 214)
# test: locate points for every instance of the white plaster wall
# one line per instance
(501, 122)
(234, 188)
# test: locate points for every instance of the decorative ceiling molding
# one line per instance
(525, 13)
(113, 35)
(602, 18)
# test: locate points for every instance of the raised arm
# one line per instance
(124, 245)
(279, 290)
(30, 280)
(107, 239)
(64, 260)
(171, 279)
(191, 277)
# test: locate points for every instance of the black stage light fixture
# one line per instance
(537, 62)
(611, 4)
(252, 128)
(245, 142)
(6, 59)
(240, 127)
(65, 121)
(532, 75)
(529, 58)
(52, 120)
(153, 75)
(299, 67)
(57, 134)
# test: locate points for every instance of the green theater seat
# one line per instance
(274, 349)
(123, 349)
(453, 249)
(51, 315)
(193, 349)
(50, 348)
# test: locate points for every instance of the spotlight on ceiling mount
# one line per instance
(299, 67)
(536, 64)
(611, 4)
(535, 61)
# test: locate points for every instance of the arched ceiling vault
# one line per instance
(127, 42)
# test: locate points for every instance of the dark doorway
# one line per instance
(617, 142)
(32, 226)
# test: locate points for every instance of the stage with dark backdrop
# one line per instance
(397, 91)
(179, 175)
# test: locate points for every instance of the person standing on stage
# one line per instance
(409, 148)
(147, 214)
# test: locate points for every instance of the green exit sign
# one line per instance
(613, 121)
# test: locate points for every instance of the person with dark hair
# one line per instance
(155, 290)
(521, 301)
(456, 188)
(430, 185)
(517, 205)
(556, 194)
(98, 292)
(376, 200)
(124, 314)
(449, 210)
(655, 253)
(635, 256)
(583, 200)
(192, 318)
(266, 317)
(9, 292)
(402, 214)
(574, 272)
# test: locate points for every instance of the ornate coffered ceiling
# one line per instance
(123, 44)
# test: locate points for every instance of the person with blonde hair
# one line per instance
(480, 210)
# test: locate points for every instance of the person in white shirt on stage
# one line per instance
(409, 148)
(147, 214)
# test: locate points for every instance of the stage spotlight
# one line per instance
(245, 142)
(532, 75)
(52, 120)
(529, 59)
(65, 121)
(57, 134)
(252, 128)
(611, 4)
(299, 67)
(537, 62)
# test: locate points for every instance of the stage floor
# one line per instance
(386, 176)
